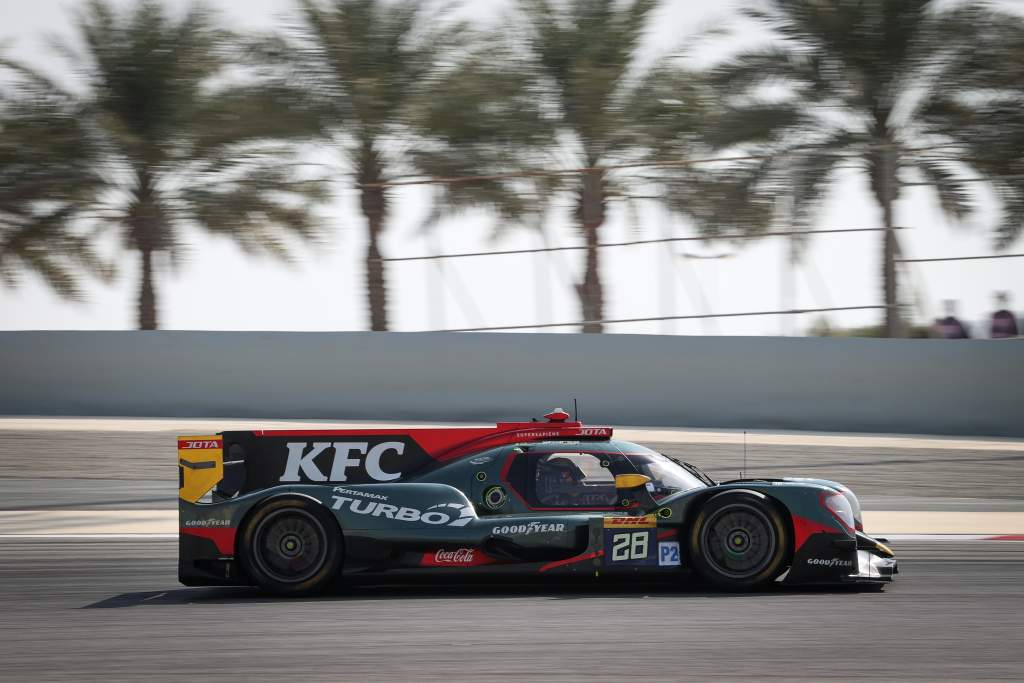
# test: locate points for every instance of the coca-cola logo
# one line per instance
(460, 556)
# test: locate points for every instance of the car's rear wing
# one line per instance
(260, 459)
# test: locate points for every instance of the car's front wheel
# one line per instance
(292, 546)
(739, 540)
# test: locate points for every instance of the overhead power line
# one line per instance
(631, 243)
(564, 171)
(960, 181)
(664, 317)
(957, 258)
(667, 163)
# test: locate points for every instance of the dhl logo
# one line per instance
(645, 522)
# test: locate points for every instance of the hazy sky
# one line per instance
(220, 289)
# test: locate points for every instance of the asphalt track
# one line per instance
(112, 611)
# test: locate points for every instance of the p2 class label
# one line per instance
(668, 554)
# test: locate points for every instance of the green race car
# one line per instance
(294, 511)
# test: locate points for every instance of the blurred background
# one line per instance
(353, 164)
(789, 168)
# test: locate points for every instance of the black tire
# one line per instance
(740, 540)
(292, 546)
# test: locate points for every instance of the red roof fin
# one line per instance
(447, 443)
(557, 415)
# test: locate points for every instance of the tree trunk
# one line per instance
(145, 223)
(890, 283)
(373, 201)
(147, 293)
(591, 215)
(893, 324)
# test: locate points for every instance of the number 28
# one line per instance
(629, 546)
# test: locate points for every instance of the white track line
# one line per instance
(90, 537)
(946, 537)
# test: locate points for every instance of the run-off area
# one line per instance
(112, 610)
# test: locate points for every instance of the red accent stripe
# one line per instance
(804, 528)
(590, 451)
(578, 508)
(572, 560)
(666, 533)
(446, 443)
(224, 537)
(1005, 537)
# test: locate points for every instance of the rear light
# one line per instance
(840, 508)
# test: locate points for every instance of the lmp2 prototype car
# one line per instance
(295, 510)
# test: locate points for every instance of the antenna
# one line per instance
(575, 411)
(743, 473)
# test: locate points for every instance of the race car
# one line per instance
(295, 511)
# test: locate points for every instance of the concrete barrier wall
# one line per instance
(913, 386)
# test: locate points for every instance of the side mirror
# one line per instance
(630, 481)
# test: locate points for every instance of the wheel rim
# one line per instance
(290, 546)
(739, 541)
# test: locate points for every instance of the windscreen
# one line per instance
(667, 476)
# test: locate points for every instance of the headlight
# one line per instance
(855, 504)
(840, 508)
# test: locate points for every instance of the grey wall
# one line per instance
(916, 386)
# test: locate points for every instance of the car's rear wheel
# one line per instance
(739, 541)
(292, 546)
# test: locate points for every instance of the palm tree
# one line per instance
(177, 151)
(47, 181)
(582, 52)
(847, 82)
(681, 118)
(473, 143)
(365, 67)
(981, 109)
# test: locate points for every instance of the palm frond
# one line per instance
(954, 196)
(47, 181)
(721, 202)
(256, 203)
(908, 71)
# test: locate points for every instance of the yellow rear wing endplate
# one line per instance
(200, 465)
